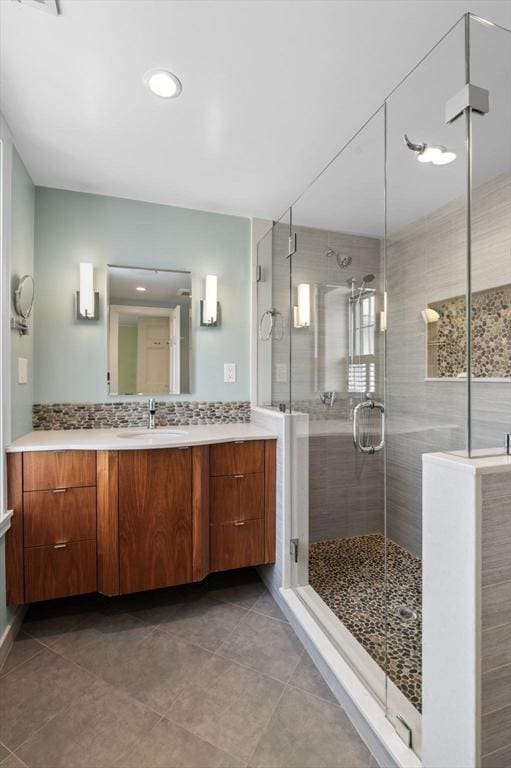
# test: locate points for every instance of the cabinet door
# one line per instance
(155, 518)
(60, 570)
(237, 545)
(239, 497)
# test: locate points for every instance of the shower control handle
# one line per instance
(371, 404)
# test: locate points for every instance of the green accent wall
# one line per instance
(127, 372)
(22, 263)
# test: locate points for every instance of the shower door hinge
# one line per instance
(478, 99)
(292, 245)
(258, 273)
(403, 730)
(293, 549)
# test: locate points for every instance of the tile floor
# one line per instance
(206, 676)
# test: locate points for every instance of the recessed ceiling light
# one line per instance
(163, 83)
(140, 288)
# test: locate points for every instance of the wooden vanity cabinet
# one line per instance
(155, 518)
(242, 511)
(126, 521)
(51, 547)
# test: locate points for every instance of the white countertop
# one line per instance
(137, 437)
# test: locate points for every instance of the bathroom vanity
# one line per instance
(130, 510)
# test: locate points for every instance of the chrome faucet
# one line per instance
(328, 398)
(151, 414)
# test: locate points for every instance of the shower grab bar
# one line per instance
(356, 426)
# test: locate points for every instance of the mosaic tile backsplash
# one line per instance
(134, 414)
(491, 334)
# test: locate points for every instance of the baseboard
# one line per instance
(366, 715)
(10, 632)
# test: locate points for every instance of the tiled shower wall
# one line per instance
(426, 263)
(496, 620)
(345, 487)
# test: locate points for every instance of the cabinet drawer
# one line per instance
(236, 497)
(68, 569)
(53, 517)
(237, 458)
(43, 470)
(237, 545)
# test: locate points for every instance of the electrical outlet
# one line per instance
(229, 373)
(22, 370)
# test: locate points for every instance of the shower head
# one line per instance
(342, 261)
(367, 279)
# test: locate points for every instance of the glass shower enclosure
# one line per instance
(384, 310)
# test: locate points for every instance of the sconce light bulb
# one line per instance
(86, 289)
(211, 300)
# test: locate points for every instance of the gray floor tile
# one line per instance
(168, 745)
(35, 691)
(242, 595)
(4, 752)
(266, 605)
(23, 649)
(204, 621)
(102, 630)
(92, 733)
(154, 671)
(267, 645)
(47, 621)
(228, 706)
(307, 677)
(13, 762)
(306, 731)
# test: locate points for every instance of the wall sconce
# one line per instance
(430, 315)
(210, 306)
(87, 300)
(302, 312)
(383, 314)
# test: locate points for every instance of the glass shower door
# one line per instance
(337, 355)
(425, 371)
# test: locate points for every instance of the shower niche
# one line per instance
(491, 336)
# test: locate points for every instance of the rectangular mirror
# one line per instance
(149, 338)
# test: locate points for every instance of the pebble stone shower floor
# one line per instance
(349, 576)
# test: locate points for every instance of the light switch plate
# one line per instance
(22, 370)
(229, 373)
(281, 373)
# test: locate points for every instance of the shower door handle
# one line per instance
(371, 404)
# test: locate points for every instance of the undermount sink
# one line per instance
(151, 434)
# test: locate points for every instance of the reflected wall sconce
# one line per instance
(430, 315)
(87, 299)
(210, 306)
(302, 312)
(383, 314)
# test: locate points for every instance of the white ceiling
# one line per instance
(271, 90)
(162, 286)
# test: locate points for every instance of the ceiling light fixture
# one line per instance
(140, 288)
(435, 154)
(163, 83)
